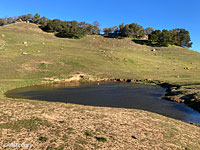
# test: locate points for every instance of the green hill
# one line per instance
(28, 56)
(49, 56)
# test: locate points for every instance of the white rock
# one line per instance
(24, 53)
(25, 43)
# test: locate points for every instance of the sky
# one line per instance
(159, 14)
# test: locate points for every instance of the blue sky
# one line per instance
(168, 14)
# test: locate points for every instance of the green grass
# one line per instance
(72, 63)
(31, 125)
(120, 58)
(43, 65)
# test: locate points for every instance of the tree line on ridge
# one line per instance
(74, 29)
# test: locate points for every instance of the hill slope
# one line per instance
(28, 55)
(49, 56)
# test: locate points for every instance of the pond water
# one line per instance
(122, 95)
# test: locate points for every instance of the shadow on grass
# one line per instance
(146, 42)
(112, 36)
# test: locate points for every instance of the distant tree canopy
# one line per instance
(132, 30)
(74, 29)
(148, 30)
(179, 37)
(36, 18)
(70, 29)
(2, 22)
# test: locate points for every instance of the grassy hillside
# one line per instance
(49, 56)
(28, 56)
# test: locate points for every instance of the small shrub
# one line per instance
(42, 65)
(43, 139)
(61, 121)
(65, 137)
(131, 61)
(70, 129)
(52, 141)
(88, 133)
(49, 148)
(101, 139)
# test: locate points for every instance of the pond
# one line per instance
(121, 95)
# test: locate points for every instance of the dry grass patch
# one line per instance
(64, 126)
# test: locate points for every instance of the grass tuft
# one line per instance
(101, 139)
(88, 133)
(43, 139)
